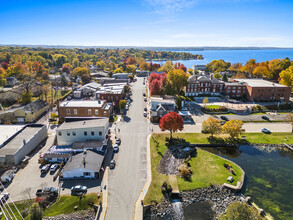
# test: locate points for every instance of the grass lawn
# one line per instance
(65, 205)
(207, 168)
(213, 106)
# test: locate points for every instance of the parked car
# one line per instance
(116, 148)
(264, 117)
(145, 109)
(4, 197)
(45, 168)
(75, 190)
(265, 130)
(127, 107)
(145, 99)
(224, 118)
(54, 167)
(47, 191)
(118, 141)
(144, 113)
(223, 122)
(112, 164)
(144, 94)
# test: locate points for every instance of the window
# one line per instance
(86, 173)
(75, 111)
(100, 133)
(73, 133)
(68, 111)
(85, 133)
(89, 111)
(96, 111)
(68, 133)
(60, 133)
(105, 112)
(116, 97)
(93, 133)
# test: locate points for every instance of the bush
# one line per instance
(166, 188)
(185, 172)
(36, 212)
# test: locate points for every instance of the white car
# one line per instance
(265, 130)
(127, 107)
(54, 167)
(144, 113)
(145, 99)
(116, 148)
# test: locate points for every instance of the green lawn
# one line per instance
(213, 106)
(207, 168)
(65, 205)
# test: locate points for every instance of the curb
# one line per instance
(138, 209)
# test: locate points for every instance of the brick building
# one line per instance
(111, 93)
(84, 109)
(262, 90)
(204, 85)
(235, 90)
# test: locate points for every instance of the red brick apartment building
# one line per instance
(260, 90)
(84, 109)
(235, 90)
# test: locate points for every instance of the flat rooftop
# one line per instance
(18, 141)
(159, 99)
(6, 131)
(84, 124)
(259, 83)
(82, 103)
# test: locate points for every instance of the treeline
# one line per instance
(280, 70)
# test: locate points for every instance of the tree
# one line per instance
(130, 61)
(167, 67)
(130, 69)
(217, 76)
(157, 83)
(211, 126)
(36, 212)
(249, 66)
(2, 80)
(155, 87)
(79, 71)
(171, 122)
(261, 70)
(27, 97)
(233, 128)
(287, 77)
(65, 69)
(144, 66)
(276, 66)
(235, 67)
(122, 104)
(190, 71)
(85, 78)
(4, 65)
(60, 59)
(118, 70)
(2, 71)
(225, 77)
(178, 80)
(100, 64)
(240, 210)
(218, 66)
(205, 101)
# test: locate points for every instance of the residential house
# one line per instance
(86, 90)
(25, 114)
(84, 109)
(161, 106)
(85, 165)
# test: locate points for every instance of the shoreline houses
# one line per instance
(84, 109)
(254, 90)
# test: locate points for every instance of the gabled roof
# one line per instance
(87, 160)
(203, 79)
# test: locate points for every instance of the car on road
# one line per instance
(145, 109)
(118, 141)
(144, 94)
(116, 148)
(54, 167)
(145, 114)
(127, 107)
(45, 168)
(4, 197)
(76, 190)
(47, 191)
(264, 117)
(145, 99)
(265, 130)
(112, 164)
(224, 118)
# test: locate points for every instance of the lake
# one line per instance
(236, 56)
(269, 177)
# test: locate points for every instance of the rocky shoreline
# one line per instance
(219, 196)
(88, 214)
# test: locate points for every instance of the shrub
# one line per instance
(36, 212)
(166, 188)
(185, 172)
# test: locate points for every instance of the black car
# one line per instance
(145, 109)
(143, 94)
(265, 117)
(76, 190)
(224, 118)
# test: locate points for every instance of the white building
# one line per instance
(85, 165)
(79, 131)
(121, 75)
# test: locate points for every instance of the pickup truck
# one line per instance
(47, 191)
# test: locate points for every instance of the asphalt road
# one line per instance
(129, 176)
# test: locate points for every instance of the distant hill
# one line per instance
(150, 48)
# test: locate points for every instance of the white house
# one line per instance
(85, 165)
(85, 130)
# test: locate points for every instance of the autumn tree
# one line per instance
(178, 79)
(276, 66)
(130, 69)
(287, 77)
(205, 101)
(4, 65)
(249, 66)
(211, 126)
(235, 67)
(2, 71)
(60, 59)
(225, 77)
(26, 97)
(100, 64)
(190, 71)
(217, 76)
(65, 69)
(157, 83)
(218, 66)
(144, 66)
(17, 70)
(130, 61)
(171, 122)
(122, 104)
(240, 210)
(85, 78)
(118, 70)
(167, 67)
(261, 71)
(180, 66)
(233, 128)
(79, 71)
(36, 212)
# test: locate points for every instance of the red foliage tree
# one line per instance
(65, 69)
(4, 65)
(171, 122)
(156, 66)
(180, 66)
(130, 61)
(156, 83)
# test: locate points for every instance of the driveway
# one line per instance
(128, 178)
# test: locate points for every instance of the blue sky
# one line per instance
(148, 22)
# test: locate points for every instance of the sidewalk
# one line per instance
(104, 189)
(138, 210)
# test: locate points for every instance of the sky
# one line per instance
(167, 23)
